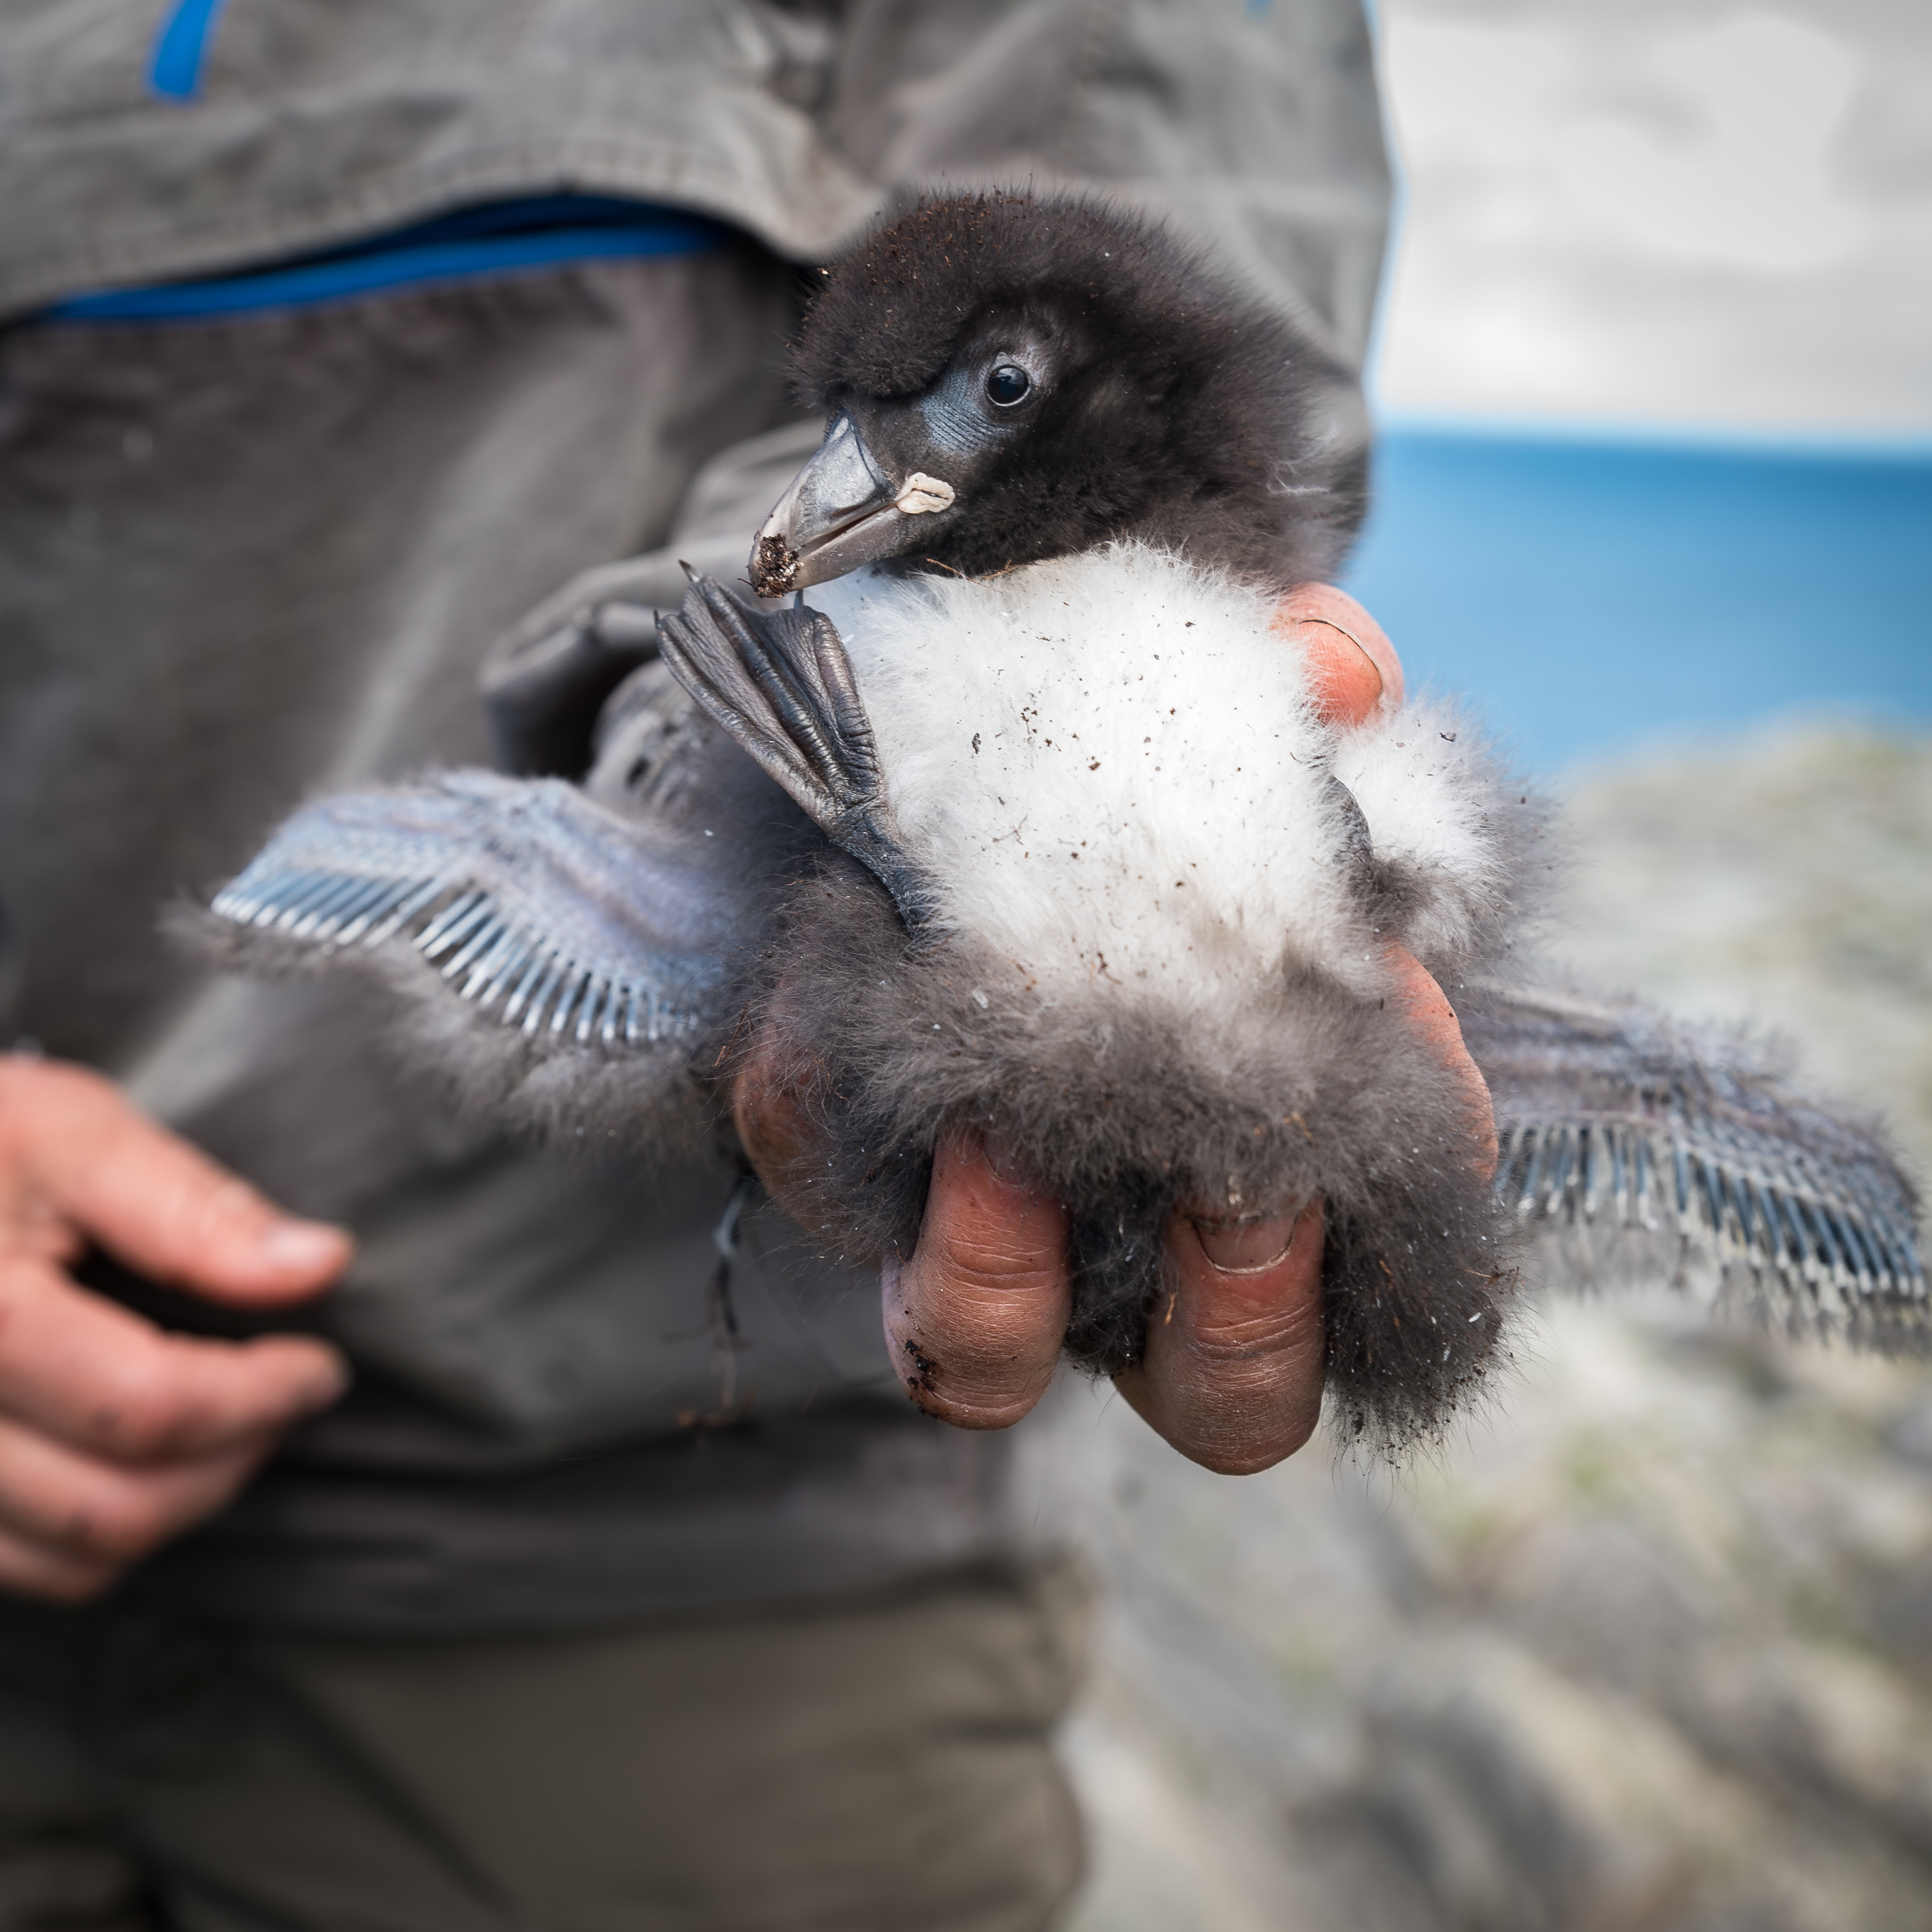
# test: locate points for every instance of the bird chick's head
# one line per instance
(1010, 378)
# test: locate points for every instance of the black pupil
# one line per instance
(1009, 384)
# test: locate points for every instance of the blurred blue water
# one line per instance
(1588, 594)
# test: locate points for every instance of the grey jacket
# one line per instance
(1256, 123)
(245, 559)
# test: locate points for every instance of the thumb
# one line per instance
(72, 1143)
(1351, 664)
(1426, 1007)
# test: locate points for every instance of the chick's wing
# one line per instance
(1641, 1145)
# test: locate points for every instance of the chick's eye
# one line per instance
(1009, 384)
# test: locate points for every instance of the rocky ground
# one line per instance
(1651, 1646)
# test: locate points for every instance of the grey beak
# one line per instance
(841, 510)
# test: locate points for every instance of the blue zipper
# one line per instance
(501, 237)
(181, 49)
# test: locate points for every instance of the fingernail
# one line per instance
(1362, 651)
(1006, 1166)
(295, 1246)
(969, 1145)
(1364, 658)
(1246, 1247)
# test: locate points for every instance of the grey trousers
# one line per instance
(883, 1764)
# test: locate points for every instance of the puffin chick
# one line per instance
(1042, 837)
(1147, 944)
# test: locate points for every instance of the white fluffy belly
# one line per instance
(1111, 768)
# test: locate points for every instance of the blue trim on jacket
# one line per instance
(495, 239)
(181, 49)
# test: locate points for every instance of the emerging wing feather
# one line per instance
(1636, 1141)
(528, 902)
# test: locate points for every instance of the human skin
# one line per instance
(1233, 1371)
(116, 1436)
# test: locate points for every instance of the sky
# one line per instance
(1669, 212)
(1654, 366)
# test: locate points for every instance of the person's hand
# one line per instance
(114, 1435)
(1233, 1370)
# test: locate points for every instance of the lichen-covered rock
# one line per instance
(1529, 1802)
(1651, 1646)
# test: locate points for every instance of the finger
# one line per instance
(1351, 664)
(103, 1379)
(1427, 1008)
(1233, 1371)
(29, 1569)
(160, 1205)
(92, 1511)
(974, 1320)
(776, 1130)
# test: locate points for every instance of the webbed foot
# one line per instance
(779, 682)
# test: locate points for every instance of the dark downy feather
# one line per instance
(1199, 417)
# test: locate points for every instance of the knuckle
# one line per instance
(20, 1083)
(206, 1210)
(113, 1528)
(1283, 1331)
(144, 1411)
(76, 1513)
(55, 1579)
(975, 1269)
(1260, 1360)
(28, 1085)
(81, 1583)
(1004, 1254)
